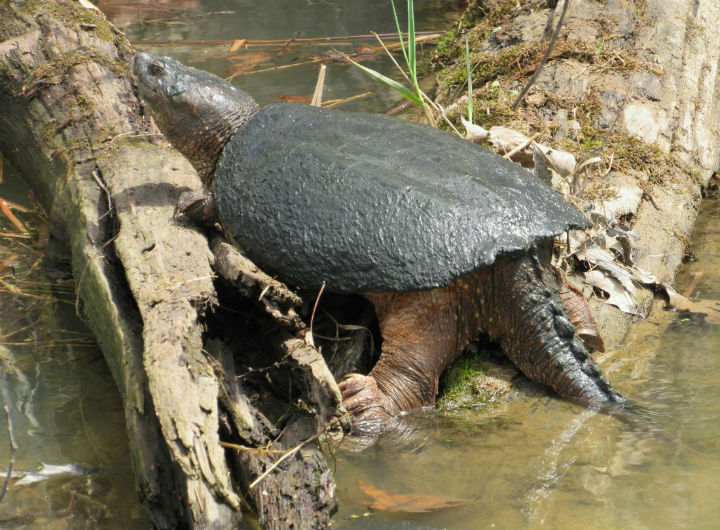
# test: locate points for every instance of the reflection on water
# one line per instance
(72, 465)
(534, 463)
(549, 464)
(289, 66)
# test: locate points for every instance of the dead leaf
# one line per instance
(410, 503)
(507, 140)
(617, 294)
(475, 133)
(88, 5)
(562, 162)
(237, 44)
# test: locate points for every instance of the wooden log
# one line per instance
(72, 124)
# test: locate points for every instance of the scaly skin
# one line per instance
(515, 301)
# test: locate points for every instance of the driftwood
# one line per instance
(72, 124)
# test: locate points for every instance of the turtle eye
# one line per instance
(155, 69)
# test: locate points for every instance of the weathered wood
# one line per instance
(72, 124)
(279, 301)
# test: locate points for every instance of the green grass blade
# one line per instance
(469, 80)
(405, 92)
(397, 25)
(411, 40)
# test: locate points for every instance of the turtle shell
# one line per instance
(370, 203)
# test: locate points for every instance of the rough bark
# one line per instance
(72, 124)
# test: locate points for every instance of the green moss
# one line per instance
(75, 15)
(460, 384)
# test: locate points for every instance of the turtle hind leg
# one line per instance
(420, 340)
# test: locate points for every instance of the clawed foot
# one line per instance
(199, 206)
(367, 404)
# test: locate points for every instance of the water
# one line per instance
(284, 68)
(531, 463)
(61, 397)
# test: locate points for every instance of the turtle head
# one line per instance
(197, 111)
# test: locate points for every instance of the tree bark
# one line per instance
(72, 124)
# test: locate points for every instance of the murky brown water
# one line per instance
(532, 463)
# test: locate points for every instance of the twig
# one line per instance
(13, 449)
(107, 194)
(290, 41)
(245, 449)
(545, 57)
(295, 449)
(5, 208)
(306, 40)
(317, 95)
(330, 103)
(521, 147)
(317, 301)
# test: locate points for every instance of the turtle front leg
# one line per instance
(198, 206)
(420, 340)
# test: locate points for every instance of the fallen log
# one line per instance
(109, 182)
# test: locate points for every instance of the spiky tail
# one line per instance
(533, 328)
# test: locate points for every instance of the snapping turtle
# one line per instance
(444, 237)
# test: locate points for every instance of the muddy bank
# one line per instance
(625, 87)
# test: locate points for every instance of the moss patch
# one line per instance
(461, 384)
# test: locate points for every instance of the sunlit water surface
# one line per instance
(531, 463)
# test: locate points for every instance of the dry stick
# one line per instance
(306, 40)
(107, 193)
(521, 146)
(246, 449)
(295, 449)
(5, 208)
(317, 301)
(13, 449)
(330, 103)
(317, 95)
(545, 57)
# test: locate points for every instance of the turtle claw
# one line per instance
(364, 400)
(197, 205)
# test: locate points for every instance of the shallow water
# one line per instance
(63, 403)
(531, 463)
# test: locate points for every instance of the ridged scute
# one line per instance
(369, 203)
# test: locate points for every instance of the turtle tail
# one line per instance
(525, 315)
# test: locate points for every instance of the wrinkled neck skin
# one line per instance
(515, 301)
(201, 136)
